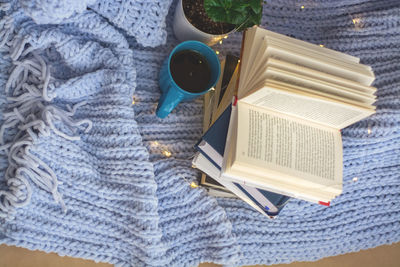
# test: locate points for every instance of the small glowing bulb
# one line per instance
(220, 42)
(193, 185)
(167, 153)
(369, 130)
(356, 21)
(212, 89)
(321, 45)
(239, 61)
(133, 101)
(302, 7)
(355, 179)
(217, 52)
(226, 36)
(155, 143)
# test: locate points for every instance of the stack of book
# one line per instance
(280, 136)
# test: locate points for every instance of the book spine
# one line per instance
(240, 60)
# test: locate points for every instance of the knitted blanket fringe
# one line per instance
(86, 172)
(28, 94)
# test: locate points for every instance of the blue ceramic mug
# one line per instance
(171, 93)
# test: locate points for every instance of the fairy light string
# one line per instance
(161, 148)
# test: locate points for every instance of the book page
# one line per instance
(257, 64)
(367, 70)
(256, 42)
(304, 153)
(263, 55)
(274, 186)
(310, 107)
(323, 51)
(320, 65)
(252, 43)
(316, 85)
(272, 62)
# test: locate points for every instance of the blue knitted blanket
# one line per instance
(89, 171)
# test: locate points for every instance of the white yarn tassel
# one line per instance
(7, 30)
(30, 111)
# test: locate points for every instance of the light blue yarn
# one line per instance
(50, 11)
(126, 203)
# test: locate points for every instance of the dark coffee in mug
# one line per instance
(190, 71)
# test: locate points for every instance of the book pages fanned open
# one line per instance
(294, 98)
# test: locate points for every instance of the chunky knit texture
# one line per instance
(143, 19)
(85, 173)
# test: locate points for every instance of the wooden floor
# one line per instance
(384, 256)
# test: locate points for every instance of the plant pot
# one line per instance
(184, 30)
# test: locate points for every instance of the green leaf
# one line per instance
(256, 6)
(239, 5)
(217, 13)
(256, 18)
(242, 13)
(214, 3)
(236, 17)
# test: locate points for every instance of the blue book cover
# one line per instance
(212, 146)
(277, 201)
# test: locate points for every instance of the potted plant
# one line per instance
(209, 21)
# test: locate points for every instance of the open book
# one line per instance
(293, 99)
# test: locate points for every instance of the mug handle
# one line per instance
(168, 101)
